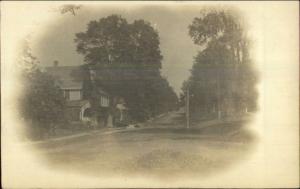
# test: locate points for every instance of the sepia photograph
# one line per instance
(154, 94)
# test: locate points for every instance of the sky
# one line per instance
(177, 48)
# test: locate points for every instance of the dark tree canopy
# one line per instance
(113, 41)
(223, 76)
(127, 60)
(43, 101)
(145, 44)
(42, 104)
(221, 27)
(104, 41)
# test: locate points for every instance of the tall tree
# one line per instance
(145, 44)
(127, 60)
(223, 75)
(106, 41)
(42, 103)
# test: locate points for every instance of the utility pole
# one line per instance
(187, 111)
(218, 97)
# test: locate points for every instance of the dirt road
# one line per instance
(164, 148)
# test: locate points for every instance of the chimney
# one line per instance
(55, 63)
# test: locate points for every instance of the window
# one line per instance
(67, 94)
(72, 94)
(75, 95)
(104, 101)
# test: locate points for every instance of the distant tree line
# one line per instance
(223, 78)
(126, 61)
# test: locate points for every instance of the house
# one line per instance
(78, 109)
(119, 81)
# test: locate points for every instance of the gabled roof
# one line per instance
(70, 77)
(66, 76)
